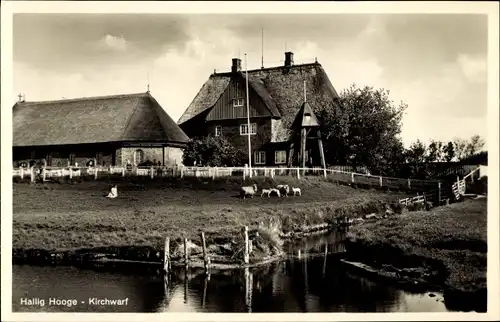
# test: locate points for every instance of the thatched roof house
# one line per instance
(109, 128)
(276, 95)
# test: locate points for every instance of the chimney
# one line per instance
(236, 67)
(288, 59)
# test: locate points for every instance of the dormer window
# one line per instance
(307, 117)
(238, 102)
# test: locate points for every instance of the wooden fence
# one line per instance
(343, 177)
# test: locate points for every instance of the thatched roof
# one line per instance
(129, 117)
(282, 88)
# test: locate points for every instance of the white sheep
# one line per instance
(277, 192)
(284, 189)
(296, 191)
(248, 190)
(266, 192)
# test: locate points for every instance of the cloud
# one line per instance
(114, 43)
(474, 68)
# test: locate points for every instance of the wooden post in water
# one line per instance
(205, 255)
(439, 193)
(186, 280)
(205, 286)
(246, 256)
(186, 255)
(166, 256)
(324, 261)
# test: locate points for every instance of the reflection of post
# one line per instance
(165, 286)
(248, 289)
(306, 284)
(205, 286)
(186, 278)
(324, 261)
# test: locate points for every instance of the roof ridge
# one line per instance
(88, 98)
(269, 68)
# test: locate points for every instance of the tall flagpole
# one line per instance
(248, 121)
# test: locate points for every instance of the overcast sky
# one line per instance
(434, 63)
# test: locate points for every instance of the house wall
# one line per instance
(166, 155)
(231, 131)
(106, 154)
(224, 109)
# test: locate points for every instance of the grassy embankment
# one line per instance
(444, 248)
(69, 217)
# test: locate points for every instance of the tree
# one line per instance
(362, 129)
(212, 151)
(460, 146)
(417, 153)
(475, 145)
(449, 151)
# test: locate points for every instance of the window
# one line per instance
(72, 159)
(244, 129)
(218, 130)
(259, 157)
(138, 157)
(279, 157)
(238, 102)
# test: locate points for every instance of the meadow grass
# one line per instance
(71, 216)
(453, 238)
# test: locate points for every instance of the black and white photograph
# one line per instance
(288, 158)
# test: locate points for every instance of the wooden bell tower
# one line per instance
(305, 127)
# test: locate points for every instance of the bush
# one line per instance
(212, 151)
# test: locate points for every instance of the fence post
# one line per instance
(166, 255)
(22, 173)
(123, 172)
(182, 172)
(152, 172)
(380, 181)
(298, 173)
(186, 255)
(352, 177)
(70, 173)
(409, 183)
(44, 174)
(213, 173)
(272, 173)
(32, 174)
(246, 256)
(205, 257)
(439, 193)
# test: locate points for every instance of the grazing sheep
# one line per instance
(248, 190)
(284, 189)
(276, 191)
(266, 192)
(296, 191)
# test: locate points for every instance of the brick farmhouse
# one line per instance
(113, 130)
(277, 98)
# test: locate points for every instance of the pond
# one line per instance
(309, 281)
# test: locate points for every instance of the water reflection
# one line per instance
(315, 282)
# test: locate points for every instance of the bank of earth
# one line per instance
(62, 221)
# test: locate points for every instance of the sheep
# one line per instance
(266, 192)
(277, 192)
(248, 190)
(284, 189)
(296, 191)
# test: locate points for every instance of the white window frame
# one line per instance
(278, 152)
(218, 130)
(238, 102)
(253, 128)
(136, 152)
(259, 157)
